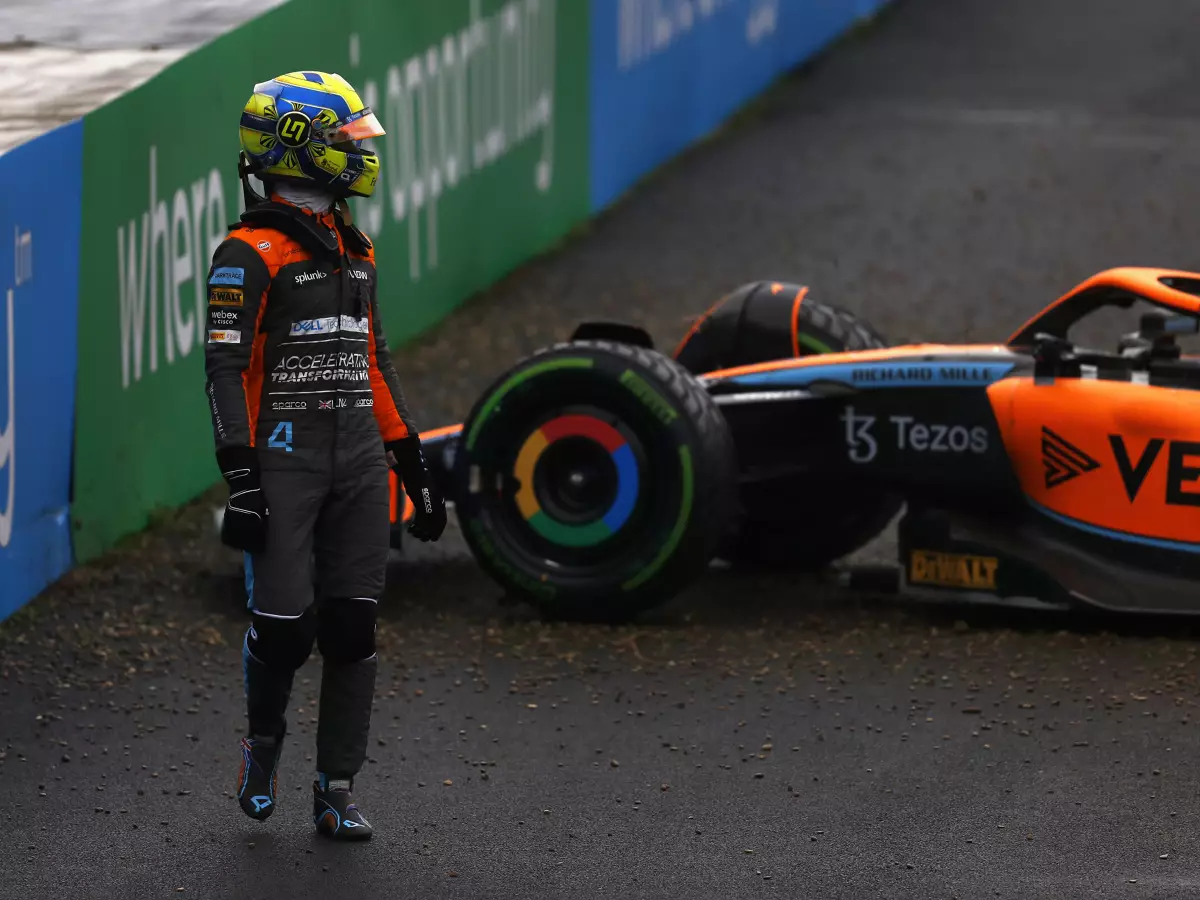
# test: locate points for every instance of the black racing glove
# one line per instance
(245, 524)
(406, 458)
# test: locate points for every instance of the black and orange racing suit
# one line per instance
(298, 368)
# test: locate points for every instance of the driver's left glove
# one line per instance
(408, 462)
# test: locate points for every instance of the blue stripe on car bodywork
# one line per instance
(882, 374)
(1160, 543)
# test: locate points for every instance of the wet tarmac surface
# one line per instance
(945, 173)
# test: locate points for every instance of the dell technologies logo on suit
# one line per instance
(23, 268)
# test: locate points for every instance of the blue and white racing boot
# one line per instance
(258, 777)
(335, 813)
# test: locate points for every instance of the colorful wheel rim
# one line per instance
(619, 511)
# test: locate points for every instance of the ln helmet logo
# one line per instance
(294, 129)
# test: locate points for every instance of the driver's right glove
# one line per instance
(245, 524)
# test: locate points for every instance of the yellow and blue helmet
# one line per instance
(309, 127)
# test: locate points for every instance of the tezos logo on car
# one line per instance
(909, 435)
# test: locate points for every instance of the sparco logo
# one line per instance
(289, 405)
(306, 277)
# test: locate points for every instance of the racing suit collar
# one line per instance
(313, 203)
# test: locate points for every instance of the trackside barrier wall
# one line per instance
(39, 264)
(508, 122)
(666, 73)
(484, 165)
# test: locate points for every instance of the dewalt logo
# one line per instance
(953, 570)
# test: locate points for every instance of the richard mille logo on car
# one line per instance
(924, 374)
(908, 434)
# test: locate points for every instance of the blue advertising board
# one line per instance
(41, 183)
(665, 73)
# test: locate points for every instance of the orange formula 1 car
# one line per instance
(599, 477)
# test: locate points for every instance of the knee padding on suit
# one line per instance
(347, 629)
(282, 643)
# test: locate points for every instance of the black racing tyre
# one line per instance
(598, 480)
(769, 320)
(789, 522)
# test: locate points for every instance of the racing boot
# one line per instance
(268, 690)
(335, 813)
(258, 777)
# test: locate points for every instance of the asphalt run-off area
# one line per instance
(945, 173)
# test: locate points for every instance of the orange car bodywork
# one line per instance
(1117, 456)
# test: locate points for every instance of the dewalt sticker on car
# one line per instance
(953, 570)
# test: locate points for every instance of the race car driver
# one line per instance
(308, 415)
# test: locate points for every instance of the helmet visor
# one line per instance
(360, 127)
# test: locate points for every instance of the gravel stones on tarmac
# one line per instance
(945, 175)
